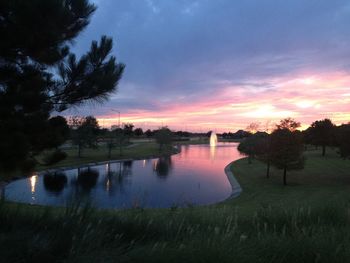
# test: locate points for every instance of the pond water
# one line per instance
(195, 176)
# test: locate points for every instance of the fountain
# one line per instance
(213, 139)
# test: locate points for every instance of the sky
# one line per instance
(221, 65)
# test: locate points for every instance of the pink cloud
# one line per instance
(306, 98)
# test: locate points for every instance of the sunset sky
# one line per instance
(220, 65)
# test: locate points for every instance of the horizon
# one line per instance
(220, 66)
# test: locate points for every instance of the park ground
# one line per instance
(306, 221)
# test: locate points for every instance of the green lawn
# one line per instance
(306, 221)
(133, 151)
(324, 179)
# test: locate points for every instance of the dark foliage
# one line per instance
(289, 124)
(84, 131)
(163, 137)
(138, 132)
(286, 151)
(35, 42)
(55, 157)
(321, 133)
(343, 140)
(149, 133)
(253, 146)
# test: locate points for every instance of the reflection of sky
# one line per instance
(194, 176)
(224, 64)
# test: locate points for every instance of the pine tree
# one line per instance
(39, 74)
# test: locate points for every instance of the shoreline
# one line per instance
(236, 187)
(4, 183)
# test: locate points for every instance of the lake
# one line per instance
(195, 176)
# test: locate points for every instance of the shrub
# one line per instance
(55, 157)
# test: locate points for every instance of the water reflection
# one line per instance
(87, 178)
(115, 179)
(163, 166)
(193, 176)
(212, 152)
(127, 168)
(55, 182)
(33, 181)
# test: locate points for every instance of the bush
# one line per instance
(55, 157)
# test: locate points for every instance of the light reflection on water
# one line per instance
(195, 176)
(33, 179)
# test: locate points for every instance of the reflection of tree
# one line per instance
(82, 185)
(163, 166)
(87, 179)
(127, 168)
(55, 182)
(116, 179)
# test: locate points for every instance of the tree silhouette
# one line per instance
(138, 132)
(39, 74)
(128, 130)
(343, 140)
(257, 145)
(286, 151)
(322, 133)
(289, 124)
(251, 146)
(163, 137)
(84, 132)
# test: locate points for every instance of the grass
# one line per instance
(306, 221)
(134, 151)
(324, 179)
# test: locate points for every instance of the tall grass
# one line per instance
(81, 234)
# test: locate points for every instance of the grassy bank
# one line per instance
(307, 221)
(134, 151)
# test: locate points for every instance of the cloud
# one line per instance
(209, 53)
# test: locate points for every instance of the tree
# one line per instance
(90, 129)
(250, 146)
(257, 145)
(286, 151)
(58, 131)
(253, 127)
(39, 74)
(163, 137)
(322, 133)
(138, 132)
(149, 133)
(289, 124)
(264, 150)
(343, 140)
(128, 130)
(265, 154)
(84, 132)
(121, 139)
(110, 143)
